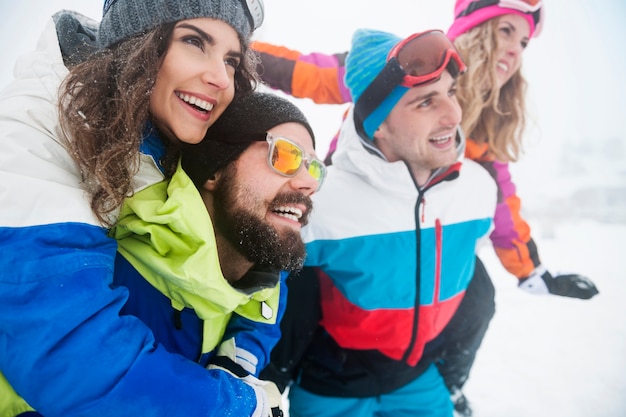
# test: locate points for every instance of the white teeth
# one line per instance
(203, 104)
(504, 67)
(289, 212)
(441, 139)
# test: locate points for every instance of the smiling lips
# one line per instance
(291, 213)
(503, 66)
(441, 141)
(202, 105)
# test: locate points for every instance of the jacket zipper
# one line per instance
(418, 259)
(451, 174)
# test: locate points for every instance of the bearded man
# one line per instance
(205, 255)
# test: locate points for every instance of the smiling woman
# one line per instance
(217, 64)
(125, 104)
(195, 82)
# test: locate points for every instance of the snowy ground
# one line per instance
(542, 356)
(550, 356)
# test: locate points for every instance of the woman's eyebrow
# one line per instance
(205, 36)
(210, 40)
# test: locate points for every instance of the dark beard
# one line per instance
(258, 241)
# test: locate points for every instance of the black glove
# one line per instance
(566, 285)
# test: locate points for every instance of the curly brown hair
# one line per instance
(490, 114)
(104, 104)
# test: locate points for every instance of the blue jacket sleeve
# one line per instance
(66, 350)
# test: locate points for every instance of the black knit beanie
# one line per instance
(245, 121)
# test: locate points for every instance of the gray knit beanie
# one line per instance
(245, 121)
(122, 19)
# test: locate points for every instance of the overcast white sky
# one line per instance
(575, 68)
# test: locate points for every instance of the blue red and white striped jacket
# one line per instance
(393, 260)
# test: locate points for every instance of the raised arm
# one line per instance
(316, 76)
(512, 239)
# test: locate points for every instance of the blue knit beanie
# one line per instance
(367, 57)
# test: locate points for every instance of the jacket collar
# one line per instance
(166, 233)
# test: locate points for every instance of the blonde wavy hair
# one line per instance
(493, 115)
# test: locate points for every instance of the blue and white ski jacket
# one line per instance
(393, 260)
(65, 350)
